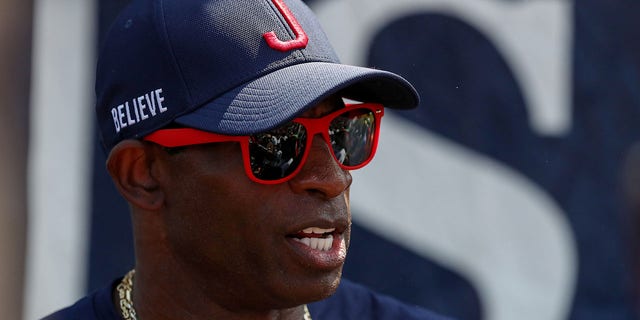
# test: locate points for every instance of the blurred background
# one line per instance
(513, 192)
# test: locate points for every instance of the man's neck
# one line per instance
(151, 301)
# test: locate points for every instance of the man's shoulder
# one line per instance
(354, 301)
(95, 306)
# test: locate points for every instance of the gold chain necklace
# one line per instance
(125, 293)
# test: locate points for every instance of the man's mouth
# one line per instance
(320, 248)
(316, 238)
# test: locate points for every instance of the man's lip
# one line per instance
(314, 232)
(329, 259)
(318, 258)
(337, 226)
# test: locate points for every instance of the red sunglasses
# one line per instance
(277, 155)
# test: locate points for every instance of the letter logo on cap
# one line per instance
(301, 39)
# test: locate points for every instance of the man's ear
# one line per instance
(130, 166)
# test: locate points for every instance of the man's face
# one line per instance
(244, 242)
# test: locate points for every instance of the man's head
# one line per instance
(228, 135)
(243, 241)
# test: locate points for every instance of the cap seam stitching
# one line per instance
(283, 23)
(165, 33)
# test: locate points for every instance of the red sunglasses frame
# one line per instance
(179, 137)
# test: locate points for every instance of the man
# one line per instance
(228, 135)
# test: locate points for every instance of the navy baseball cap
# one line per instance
(225, 66)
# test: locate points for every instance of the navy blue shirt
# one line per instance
(351, 301)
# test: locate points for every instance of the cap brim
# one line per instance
(279, 96)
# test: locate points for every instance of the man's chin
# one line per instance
(317, 291)
(324, 289)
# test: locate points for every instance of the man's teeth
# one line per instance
(322, 244)
(316, 238)
(318, 230)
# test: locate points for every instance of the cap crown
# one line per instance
(164, 58)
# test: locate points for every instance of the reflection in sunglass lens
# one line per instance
(352, 135)
(277, 153)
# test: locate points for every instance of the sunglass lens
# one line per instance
(277, 153)
(352, 135)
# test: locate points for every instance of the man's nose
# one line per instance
(321, 174)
